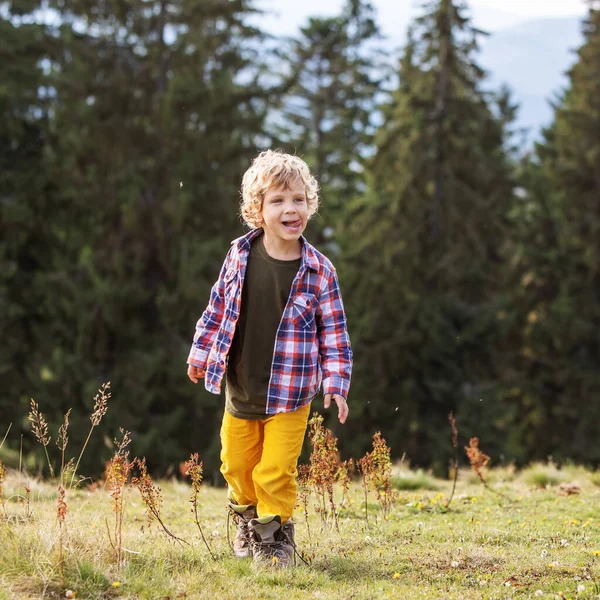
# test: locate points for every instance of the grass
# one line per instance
(484, 546)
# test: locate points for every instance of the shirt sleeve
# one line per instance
(210, 321)
(334, 342)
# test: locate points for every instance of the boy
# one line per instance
(275, 324)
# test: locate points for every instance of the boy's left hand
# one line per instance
(341, 404)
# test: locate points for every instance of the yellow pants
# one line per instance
(259, 460)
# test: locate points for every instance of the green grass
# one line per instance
(483, 546)
(407, 480)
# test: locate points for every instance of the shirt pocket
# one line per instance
(303, 311)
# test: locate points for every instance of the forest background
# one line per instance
(469, 263)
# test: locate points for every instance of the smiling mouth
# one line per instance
(292, 224)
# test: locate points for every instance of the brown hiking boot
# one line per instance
(272, 543)
(242, 513)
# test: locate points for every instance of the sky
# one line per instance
(395, 15)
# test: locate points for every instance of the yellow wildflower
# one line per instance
(396, 575)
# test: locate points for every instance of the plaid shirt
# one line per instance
(311, 343)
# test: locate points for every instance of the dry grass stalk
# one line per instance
(2, 479)
(62, 441)
(39, 426)
(193, 470)
(365, 469)
(117, 474)
(304, 490)
(100, 407)
(151, 496)
(61, 514)
(452, 421)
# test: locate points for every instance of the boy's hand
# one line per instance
(195, 373)
(341, 404)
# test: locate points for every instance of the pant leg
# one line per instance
(241, 449)
(275, 474)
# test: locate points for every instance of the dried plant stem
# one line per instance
(455, 444)
(151, 496)
(100, 408)
(5, 435)
(193, 469)
(61, 513)
(80, 455)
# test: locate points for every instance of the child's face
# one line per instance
(285, 212)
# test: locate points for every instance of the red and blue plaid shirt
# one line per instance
(312, 345)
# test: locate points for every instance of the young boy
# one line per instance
(275, 324)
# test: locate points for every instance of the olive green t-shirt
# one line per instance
(265, 293)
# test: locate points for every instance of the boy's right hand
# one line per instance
(195, 373)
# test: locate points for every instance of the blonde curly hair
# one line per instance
(274, 168)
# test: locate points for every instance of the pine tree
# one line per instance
(156, 112)
(557, 376)
(431, 233)
(328, 114)
(24, 211)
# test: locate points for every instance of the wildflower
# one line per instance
(544, 553)
(580, 588)
(596, 552)
(116, 584)
(454, 564)
(396, 575)
(274, 560)
(538, 593)
(487, 510)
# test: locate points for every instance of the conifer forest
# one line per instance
(469, 260)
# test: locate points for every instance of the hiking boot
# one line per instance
(272, 543)
(242, 513)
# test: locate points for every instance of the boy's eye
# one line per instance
(299, 199)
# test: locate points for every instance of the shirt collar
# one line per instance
(309, 256)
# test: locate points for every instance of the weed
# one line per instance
(117, 474)
(100, 408)
(452, 421)
(39, 426)
(193, 470)
(323, 467)
(479, 461)
(151, 496)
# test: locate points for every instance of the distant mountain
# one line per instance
(533, 58)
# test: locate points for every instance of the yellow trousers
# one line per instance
(259, 460)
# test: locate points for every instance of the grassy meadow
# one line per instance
(540, 538)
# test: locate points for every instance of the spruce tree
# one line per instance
(24, 210)
(156, 111)
(328, 113)
(557, 376)
(431, 234)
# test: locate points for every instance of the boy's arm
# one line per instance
(208, 324)
(334, 342)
